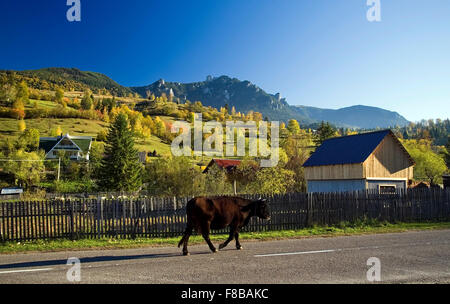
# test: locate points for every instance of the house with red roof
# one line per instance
(225, 164)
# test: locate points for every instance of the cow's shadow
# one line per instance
(97, 259)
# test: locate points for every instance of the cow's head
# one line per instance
(262, 209)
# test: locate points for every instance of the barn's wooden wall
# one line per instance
(336, 185)
(350, 171)
(388, 161)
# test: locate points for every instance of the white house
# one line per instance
(76, 147)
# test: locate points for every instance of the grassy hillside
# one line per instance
(45, 104)
(69, 79)
(73, 126)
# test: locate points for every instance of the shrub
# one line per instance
(73, 186)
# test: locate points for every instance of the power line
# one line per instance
(28, 160)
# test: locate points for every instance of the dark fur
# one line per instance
(204, 214)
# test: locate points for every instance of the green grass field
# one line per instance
(339, 230)
(153, 143)
(73, 126)
(45, 104)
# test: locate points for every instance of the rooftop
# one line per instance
(227, 164)
(47, 143)
(352, 149)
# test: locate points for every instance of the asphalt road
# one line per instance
(412, 257)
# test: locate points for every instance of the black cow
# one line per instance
(205, 214)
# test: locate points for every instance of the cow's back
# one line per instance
(219, 211)
(200, 209)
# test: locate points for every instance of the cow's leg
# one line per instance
(187, 234)
(205, 229)
(236, 236)
(230, 238)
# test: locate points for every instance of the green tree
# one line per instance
(26, 167)
(160, 127)
(7, 147)
(28, 140)
(217, 182)
(324, 132)
(430, 166)
(244, 174)
(447, 155)
(95, 158)
(59, 95)
(56, 131)
(64, 160)
(293, 127)
(120, 169)
(174, 176)
(22, 92)
(22, 125)
(102, 135)
(7, 90)
(87, 101)
(272, 181)
(18, 109)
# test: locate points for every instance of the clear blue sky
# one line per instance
(321, 53)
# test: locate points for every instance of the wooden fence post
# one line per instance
(309, 210)
(72, 220)
(99, 217)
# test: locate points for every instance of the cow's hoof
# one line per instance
(186, 253)
(239, 247)
(214, 251)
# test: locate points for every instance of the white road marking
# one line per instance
(348, 249)
(25, 270)
(296, 253)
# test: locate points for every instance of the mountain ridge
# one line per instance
(357, 116)
(70, 78)
(245, 96)
(216, 92)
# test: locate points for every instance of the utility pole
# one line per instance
(59, 167)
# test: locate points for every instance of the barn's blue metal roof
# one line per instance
(353, 149)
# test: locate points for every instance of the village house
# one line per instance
(224, 164)
(370, 161)
(76, 147)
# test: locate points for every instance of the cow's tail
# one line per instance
(186, 234)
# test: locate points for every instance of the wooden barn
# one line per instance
(369, 161)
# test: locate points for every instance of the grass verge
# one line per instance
(316, 231)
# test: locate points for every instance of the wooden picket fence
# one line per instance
(165, 217)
